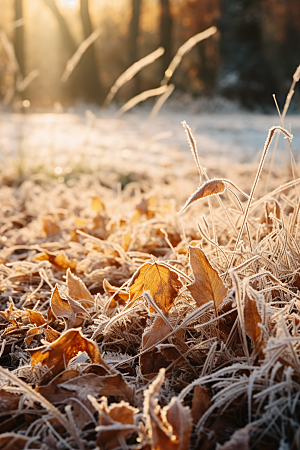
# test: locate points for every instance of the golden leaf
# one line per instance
(97, 205)
(170, 426)
(57, 354)
(211, 187)
(121, 296)
(35, 317)
(59, 260)
(162, 283)
(207, 285)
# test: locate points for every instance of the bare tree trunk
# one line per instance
(94, 91)
(83, 76)
(166, 24)
(19, 37)
(134, 30)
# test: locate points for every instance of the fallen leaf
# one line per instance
(66, 308)
(207, 285)
(162, 283)
(170, 426)
(239, 440)
(78, 291)
(211, 187)
(147, 206)
(97, 205)
(59, 260)
(13, 441)
(35, 317)
(50, 227)
(57, 354)
(72, 385)
(120, 416)
(200, 403)
(152, 361)
(120, 295)
(251, 315)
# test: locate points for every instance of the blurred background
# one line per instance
(253, 55)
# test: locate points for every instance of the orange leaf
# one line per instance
(211, 187)
(58, 260)
(58, 354)
(35, 317)
(162, 283)
(207, 285)
(170, 426)
(121, 296)
(251, 315)
(97, 205)
(78, 290)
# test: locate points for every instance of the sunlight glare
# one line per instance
(68, 3)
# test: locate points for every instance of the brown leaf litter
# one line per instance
(124, 325)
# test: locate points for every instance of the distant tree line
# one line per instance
(257, 50)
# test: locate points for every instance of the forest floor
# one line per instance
(125, 325)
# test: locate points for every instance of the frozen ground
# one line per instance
(99, 139)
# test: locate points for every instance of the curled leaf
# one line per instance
(66, 308)
(57, 354)
(50, 227)
(207, 285)
(170, 426)
(211, 187)
(162, 283)
(78, 290)
(116, 423)
(251, 315)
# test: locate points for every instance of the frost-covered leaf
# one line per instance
(57, 354)
(162, 283)
(207, 285)
(170, 427)
(211, 187)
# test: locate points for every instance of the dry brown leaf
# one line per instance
(78, 291)
(251, 316)
(211, 187)
(207, 285)
(57, 354)
(170, 426)
(70, 385)
(239, 440)
(60, 260)
(152, 361)
(13, 441)
(50, 227)
(121, 416)
(9, 401)
(200, 404)
(66, 308)
(162, 283)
